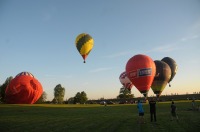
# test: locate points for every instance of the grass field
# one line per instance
(95, 118)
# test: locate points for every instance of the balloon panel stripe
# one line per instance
(123, 75)
(88, 52)
(25, 73)
(78, 37)
(86, 48)
(82, 41)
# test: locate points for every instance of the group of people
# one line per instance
(152, 104)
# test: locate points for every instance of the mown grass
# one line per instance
(95, 118)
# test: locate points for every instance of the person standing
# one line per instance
(193, 105)
(141, 112)
(173, 111)
(152, 104)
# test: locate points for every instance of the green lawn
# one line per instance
(95, 118)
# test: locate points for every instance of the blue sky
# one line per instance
(38, 36)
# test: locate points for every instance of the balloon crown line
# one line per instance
(24, 73)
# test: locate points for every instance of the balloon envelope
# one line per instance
(172, 64)
(23, 89)
(163, 74)
(125, 81)
(141, 70)
(84, 44)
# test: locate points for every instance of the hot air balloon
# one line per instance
(163, 74)
(23, 89)
(141, 70)
(172, 64)
(125, 81)
(84, 44)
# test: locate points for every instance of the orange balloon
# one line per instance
(141, 70)
(23, 89)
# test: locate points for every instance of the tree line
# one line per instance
(81, 97)
(59, 93)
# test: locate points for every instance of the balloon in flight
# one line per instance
(84, 44)
(163, 74)
(23, 89)
(172, 64)
(141, 70)
(125, 81)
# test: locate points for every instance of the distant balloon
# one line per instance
(125, 81)
(141, 70)
(84, 44)
(172, 64)
(23, 89)
(163, 74)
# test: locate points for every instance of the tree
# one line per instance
(80, 98)
(42, 98)
(59, 93)
(77, 98)
(83, 97)
(3, 89)
(125, 93)
(70, 100)
(55, 101)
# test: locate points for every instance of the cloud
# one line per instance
(190, 37)
(118, 54)
(48, 75)
(196, 26)
(194, 61)
(193, 31)
(55, 76)
(174, 46)
(164, 48)
(100, 70)
(192, 34)
(85, 83)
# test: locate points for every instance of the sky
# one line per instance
(38, 36)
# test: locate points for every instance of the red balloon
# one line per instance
(23, 89)
(125, 81)
(141, 70)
